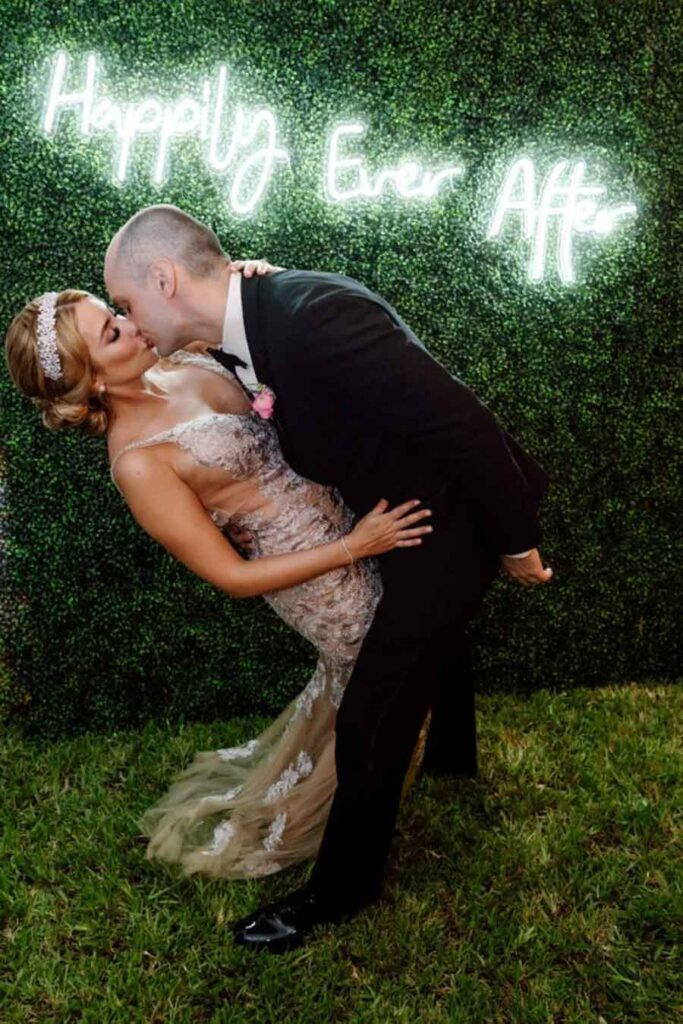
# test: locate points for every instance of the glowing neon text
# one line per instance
(579, 214)
(246, 148)
(405, 178)
(251, 152)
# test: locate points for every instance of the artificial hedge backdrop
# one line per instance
(100, 627)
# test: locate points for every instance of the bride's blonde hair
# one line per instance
(69, 401)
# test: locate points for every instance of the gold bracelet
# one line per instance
(347, 551)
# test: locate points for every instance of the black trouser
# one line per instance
(405, 665)
(452, 738)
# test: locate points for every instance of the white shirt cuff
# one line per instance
(522, 554)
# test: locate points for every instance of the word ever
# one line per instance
(251, 150)
(579, 214)
(405, 179)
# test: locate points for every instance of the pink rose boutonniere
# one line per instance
(264, 401)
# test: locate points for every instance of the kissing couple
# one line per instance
(285, 433)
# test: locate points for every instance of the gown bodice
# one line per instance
(283, 512)
(242, 445)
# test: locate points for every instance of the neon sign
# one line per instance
(406, 178)
(579, 214)
(186, 116)
(251, 153)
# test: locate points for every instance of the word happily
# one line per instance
(244, 146)
(251, 150)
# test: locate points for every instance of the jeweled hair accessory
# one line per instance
(47, 336)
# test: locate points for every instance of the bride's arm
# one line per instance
(170, 512)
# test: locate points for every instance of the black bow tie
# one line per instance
(230, 362)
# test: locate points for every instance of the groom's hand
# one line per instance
(249, 267)
(528, 570)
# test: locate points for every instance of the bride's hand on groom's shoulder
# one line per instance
(528, 570)
(249, 267)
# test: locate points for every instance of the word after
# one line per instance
(573, 203)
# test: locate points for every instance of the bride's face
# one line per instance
(119, 352)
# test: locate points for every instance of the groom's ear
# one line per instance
(163, 276)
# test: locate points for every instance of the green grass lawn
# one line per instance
(549, 889)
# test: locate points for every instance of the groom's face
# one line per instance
(139, 306)
(147, 303)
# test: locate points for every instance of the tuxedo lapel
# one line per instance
(252, 316)
(252, 329)
(253, 297)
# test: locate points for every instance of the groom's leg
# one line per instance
(377, 726)
(378, 722)
(451, 747)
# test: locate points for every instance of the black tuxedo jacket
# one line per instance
(361, 405)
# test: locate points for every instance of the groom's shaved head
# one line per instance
(164, 231)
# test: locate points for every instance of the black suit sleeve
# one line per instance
(359, 355)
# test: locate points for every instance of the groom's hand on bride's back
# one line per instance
(528, 570)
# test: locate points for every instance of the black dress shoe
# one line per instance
(269, 932)
(283, 925)
(292, 899)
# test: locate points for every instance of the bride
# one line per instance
(192, 455)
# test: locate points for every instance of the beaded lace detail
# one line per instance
(222, 835)
(290, 777)
(243, 444)
(217, 817)
(231, 753)
(274, 837)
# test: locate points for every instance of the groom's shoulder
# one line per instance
(298, 290)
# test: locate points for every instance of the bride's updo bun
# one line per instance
(69, 401)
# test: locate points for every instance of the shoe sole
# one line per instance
(281, 945)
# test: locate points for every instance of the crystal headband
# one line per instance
(47, 336)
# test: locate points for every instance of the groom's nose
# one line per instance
(132, 326)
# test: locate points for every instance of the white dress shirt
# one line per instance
(234, 341)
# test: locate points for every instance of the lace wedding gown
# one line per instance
(255, 809)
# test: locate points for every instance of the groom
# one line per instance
(360, 405)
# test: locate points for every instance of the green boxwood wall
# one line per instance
(100, 628)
